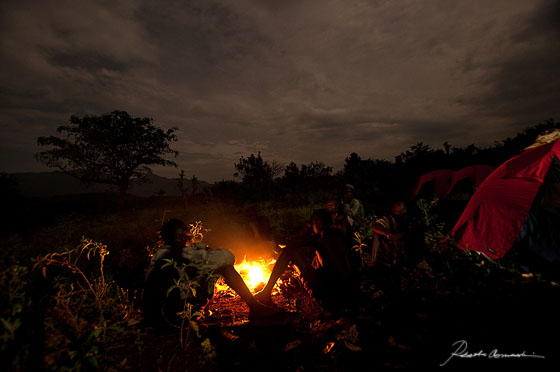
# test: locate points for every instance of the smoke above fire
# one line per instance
(238, 232)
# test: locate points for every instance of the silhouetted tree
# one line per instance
(368, 175)
(315, 176)
(114, 149)
(291, 172)
(257, 175)
(416, 157)
(316, 169)
(502, 151)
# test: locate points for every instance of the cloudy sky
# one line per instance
(298, 81)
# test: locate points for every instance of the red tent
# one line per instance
(441, 178)
(445, 179)
(475, 173)
(495, 214)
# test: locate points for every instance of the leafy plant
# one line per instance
(14, 311)
(359, 247)
(95, 284)
(187, 286)
(13, 282)
(89, 315)
(434, 229)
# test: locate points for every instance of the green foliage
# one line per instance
(365, 225)
(89, 315)
(286, 221)
(187, 286)
(88, 321)
(434, 229)
(111, 149)
(15, 305)
(94, 283)
(359, 247)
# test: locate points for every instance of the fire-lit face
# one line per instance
(399, 209)
(331, 206)
(181, 238)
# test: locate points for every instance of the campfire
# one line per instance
(228, 308)
(255, 273)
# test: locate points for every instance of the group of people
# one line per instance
(322, 253)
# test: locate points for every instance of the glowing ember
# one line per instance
(254, 273)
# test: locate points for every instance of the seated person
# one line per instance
(390, 234)
(323, 258)
(161, 307)
(339, 220)
(352, 208)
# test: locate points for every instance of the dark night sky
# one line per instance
(297, 80)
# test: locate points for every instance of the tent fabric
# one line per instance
(475, 173)
(441, 178)
(494, 216)
(446, 179)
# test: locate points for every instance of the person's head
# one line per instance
(175, 233)
(398, 208)
(321, 220)
(348, 192)
(331, 205)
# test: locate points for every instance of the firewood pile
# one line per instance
(226, 308)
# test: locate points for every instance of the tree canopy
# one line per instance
(114, 149)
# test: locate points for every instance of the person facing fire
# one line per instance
(390, 234)
(323, 258)
(160, 306)
(339, 221)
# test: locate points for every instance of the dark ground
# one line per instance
(407, 320)
(409, 316)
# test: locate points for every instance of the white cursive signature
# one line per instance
(460, 351)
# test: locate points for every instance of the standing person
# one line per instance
(352, 208)
(324, 261)
(162, 307)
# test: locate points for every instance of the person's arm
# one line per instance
(374, 250)
(354, 207)
(379, 228)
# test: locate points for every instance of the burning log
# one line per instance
(255, 274)
(228, 308)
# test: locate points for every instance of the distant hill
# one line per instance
(45, 184)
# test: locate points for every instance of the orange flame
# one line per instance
(254, 273)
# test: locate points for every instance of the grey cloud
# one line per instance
(298, 80)
(522, 87)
